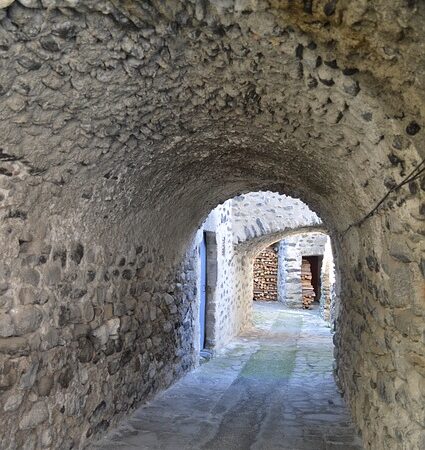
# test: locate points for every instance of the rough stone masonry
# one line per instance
(123, 123)
(236, 231)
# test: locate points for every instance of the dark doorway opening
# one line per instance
(311, 267)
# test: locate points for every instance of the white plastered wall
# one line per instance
(235, 232)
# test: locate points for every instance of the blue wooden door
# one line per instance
(203, 293)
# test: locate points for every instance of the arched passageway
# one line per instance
(124, 123)
(232, 235)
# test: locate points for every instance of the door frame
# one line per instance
(203, 258)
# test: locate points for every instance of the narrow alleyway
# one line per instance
(272, 389)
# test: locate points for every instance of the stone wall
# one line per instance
(236, 231)
(78, 321)
(291, 251)
(124, 123)
(328, 301)
(264, 214)
(227, 311)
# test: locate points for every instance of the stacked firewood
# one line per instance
(307, 287)
(265, 275)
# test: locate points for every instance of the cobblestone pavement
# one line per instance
(272, 388)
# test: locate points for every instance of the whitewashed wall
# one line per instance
(328, 303)
(237, 230)
(259, 214)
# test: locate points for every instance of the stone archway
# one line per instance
(236, 231)
(125, 123)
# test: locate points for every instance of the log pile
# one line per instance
(265, 275)
(307, 287)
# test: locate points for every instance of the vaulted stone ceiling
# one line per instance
(123, 123)
(100, 97)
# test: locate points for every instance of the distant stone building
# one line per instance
(234, 234)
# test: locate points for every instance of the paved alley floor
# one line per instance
(271, 389)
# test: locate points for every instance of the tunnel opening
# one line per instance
(125, 124)
(257, 227)
(311, 267)
(253, 352)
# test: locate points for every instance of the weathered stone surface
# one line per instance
(49, 338)
(14, 345)
(5, 3)
(77, 253)
(124, 124)
(30, 3)
(86, 350)
(108, 330)
(7, 328)
(31, 276)
(29, 295)
(44, 385)
(28, 377)
(66, 376)
(26, 319)
(13, 402)
(35, 416)
(52, 275)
